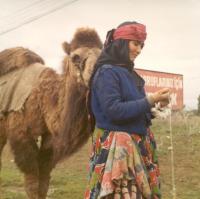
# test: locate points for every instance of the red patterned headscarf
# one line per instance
(127, 31)
(135, 31)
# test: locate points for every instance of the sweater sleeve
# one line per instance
(110, 99)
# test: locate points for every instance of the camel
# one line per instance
(54, 112)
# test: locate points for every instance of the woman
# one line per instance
(123, 163)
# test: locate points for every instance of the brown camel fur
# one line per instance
(55, 111)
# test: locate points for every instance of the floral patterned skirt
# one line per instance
(123, 166)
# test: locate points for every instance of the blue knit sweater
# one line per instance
(118, 100)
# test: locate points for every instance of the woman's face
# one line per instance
(135, 48)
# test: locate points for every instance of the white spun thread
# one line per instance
(172, 157)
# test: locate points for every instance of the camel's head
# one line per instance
(82, 54)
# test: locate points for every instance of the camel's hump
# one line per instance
(15, 58)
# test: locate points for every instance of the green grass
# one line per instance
(70, 177)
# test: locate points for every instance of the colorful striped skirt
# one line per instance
(123, 166)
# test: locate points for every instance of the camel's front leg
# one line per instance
(44, 185)
(45, 166)
(31, 186)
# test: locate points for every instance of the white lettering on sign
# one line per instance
(150, 80)
(178, 84)
(155, 81)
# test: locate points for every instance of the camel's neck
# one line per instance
(74, 125)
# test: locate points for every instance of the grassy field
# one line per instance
(69, 178)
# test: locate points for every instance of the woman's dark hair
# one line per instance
(114, 52)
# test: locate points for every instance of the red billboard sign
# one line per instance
(155, 81)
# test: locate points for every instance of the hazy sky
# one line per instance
(173, 27)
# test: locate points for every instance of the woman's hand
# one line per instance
(162, 96)
(164, 103)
